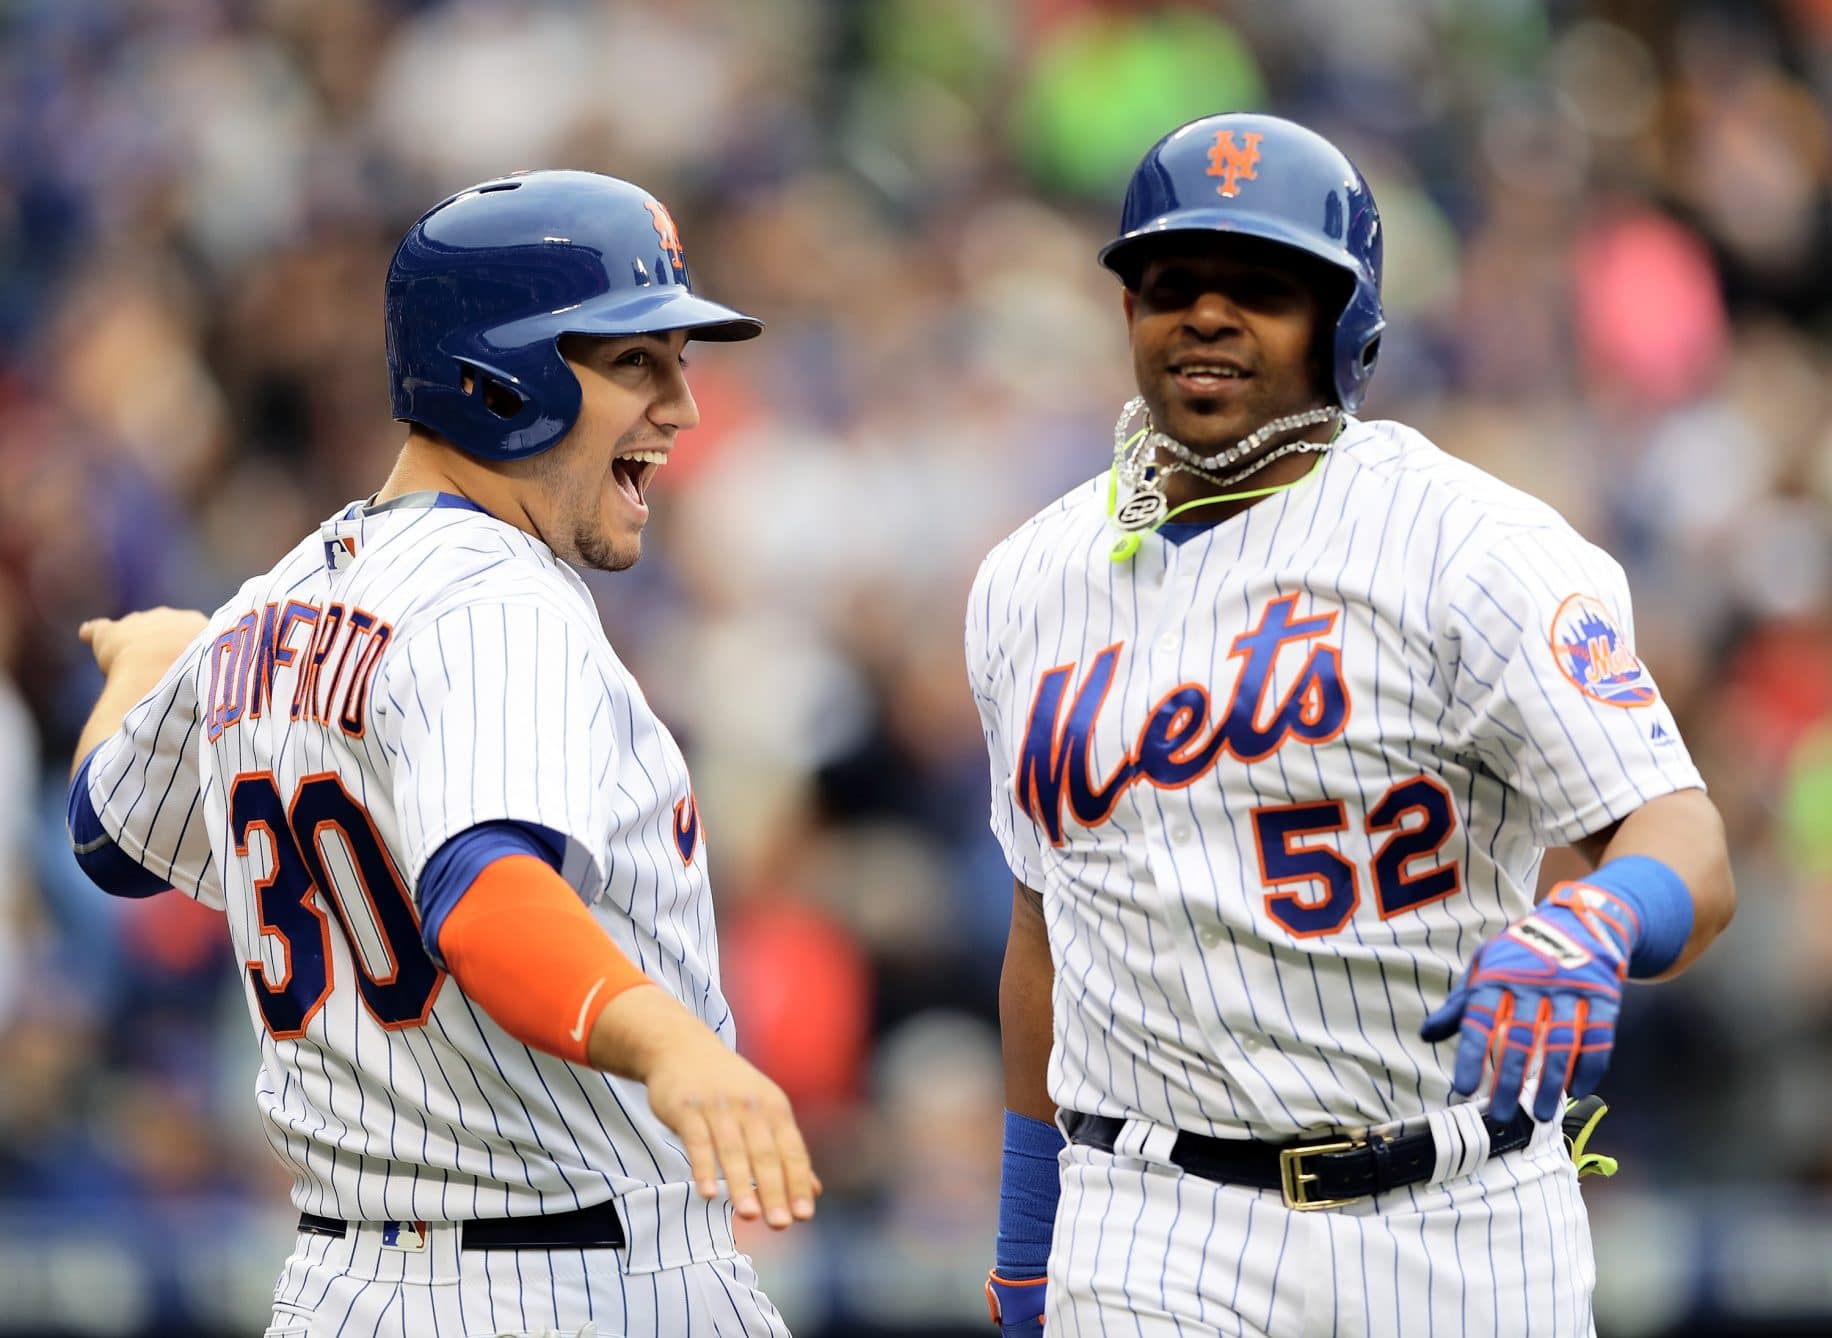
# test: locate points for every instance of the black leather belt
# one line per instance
(1323, 1174)
(595, 1228)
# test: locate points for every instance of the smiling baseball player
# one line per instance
(406, 761)
(1282, 712)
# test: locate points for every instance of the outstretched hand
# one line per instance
(1550, 983)
(133, 654)
(151, 639)
(731, 1119)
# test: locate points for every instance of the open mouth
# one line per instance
(633, 473)
(1209, 377)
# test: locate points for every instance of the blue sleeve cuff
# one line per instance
(458, 863)
(106, 864)
(1661, 902)
(1029, 1186)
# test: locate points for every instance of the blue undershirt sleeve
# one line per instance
(106, 864)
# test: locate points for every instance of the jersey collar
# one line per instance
(409, 500)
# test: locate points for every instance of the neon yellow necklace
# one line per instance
(1128, 544)
(1140, 471)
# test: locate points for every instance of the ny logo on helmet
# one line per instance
(1233, 163)
(665, 229)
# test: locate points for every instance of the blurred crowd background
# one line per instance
(1609, 280)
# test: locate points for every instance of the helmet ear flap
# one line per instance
(497, 396)
(1358, 334)
(469, 398)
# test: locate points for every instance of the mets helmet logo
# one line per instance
(1595, 656)
(1234, 163)
(665, 230)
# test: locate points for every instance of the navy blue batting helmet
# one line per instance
(485, 283)
(1266, 177)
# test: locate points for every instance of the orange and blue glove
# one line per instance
(1017, 1304)
(1551, 983)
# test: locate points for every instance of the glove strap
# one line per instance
(1647, 903)
(1015, 1301)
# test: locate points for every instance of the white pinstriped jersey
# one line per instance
(1278, 783)
(408, 672)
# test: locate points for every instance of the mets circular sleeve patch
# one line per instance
(1595, 656)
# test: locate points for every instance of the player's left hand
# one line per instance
(151, 640)
(731, 1119)
(1550, 982)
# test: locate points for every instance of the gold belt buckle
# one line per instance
(1295, 1181)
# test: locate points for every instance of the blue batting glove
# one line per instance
(1017, 1304)
(1550, 981)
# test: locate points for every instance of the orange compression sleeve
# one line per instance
(525, 950)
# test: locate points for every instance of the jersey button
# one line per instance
(1248, 1044)
(1211, 937)
(1169, 641)
(1179, 836)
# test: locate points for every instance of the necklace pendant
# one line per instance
(1144, 509)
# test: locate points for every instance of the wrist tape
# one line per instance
(1662, 908)
(1029, 1185)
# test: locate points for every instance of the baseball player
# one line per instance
(1282, 712)
(406, 761)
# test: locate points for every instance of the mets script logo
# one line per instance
(665, 229)
(1595, 656)
(1234, 163)
(687, 827)
(1179, 742)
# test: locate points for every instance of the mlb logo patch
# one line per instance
(410, 1236)
(1595, 656)
(339, 549)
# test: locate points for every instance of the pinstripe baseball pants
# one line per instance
(1142, 1248)
(335, 1288)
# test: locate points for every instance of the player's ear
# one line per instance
(1333, 294)
(1323, 365)
(1129, 298)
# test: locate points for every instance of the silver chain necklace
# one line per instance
(1141, 472)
